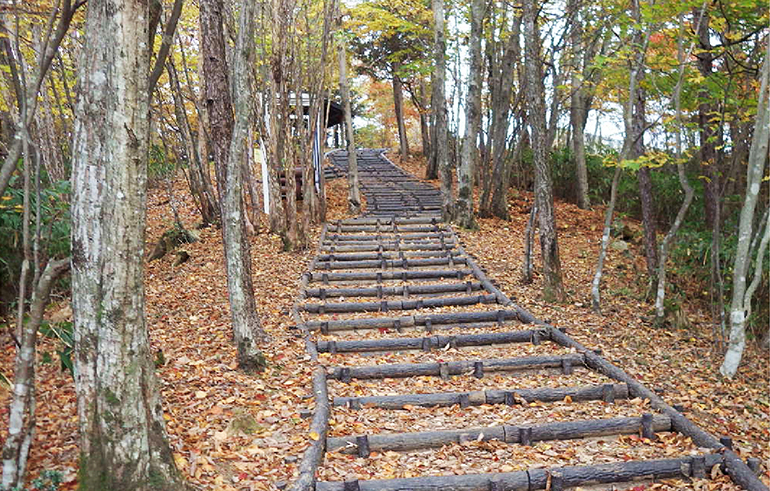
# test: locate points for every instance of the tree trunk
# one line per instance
(123, 443)
(596, 284)
(200, 186)
(634, 132)
(464, 206)
(354, 193)
(424, 130)
(552, 287)
(648, 221)
(398, 103)
(494, 200)
(216, 88)
(529, 243)
(660, 295)
(247, 330)
(707, 128)
(578, 110)
(742, 263)
(21, 422)
(441, 150)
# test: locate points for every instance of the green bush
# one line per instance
(54, 230)
(159, 166)
(48, 481)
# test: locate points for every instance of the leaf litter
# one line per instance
(230, 431)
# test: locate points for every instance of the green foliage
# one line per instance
(665, 183)
(62, 331)
(54, 228)
(159, 166)
(48, 481)
(370, 136)
(691, 259)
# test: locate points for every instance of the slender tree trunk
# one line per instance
(424, 130)
(529, 243)
(633, 133)
(552, 287)
(243, 308)
(464, 206)
(354, 193)
(578, 110)
(494, 199)
(742, 263)
(596, 284)
(398, 103)
(200, 186)
(660, 295)
(123, 443)
(441, 149)
(216, 88)
(707, 128)
(21, 422)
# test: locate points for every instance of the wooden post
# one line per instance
(647, 429)
(362, 442)
(478, 369)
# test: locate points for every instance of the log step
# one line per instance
(450, 368)
(391, 246)
(431, 342)
(379, 256)
(391, 275)
(390, 264)
(607, 393)
(390, 229)
(385, 236)
(387, 291)
(428, 321)
(534, 479)
(388, 305)
(386, 222)
(566, 430)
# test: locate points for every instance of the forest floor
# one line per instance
(231, 431)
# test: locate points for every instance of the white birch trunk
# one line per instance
(123, 443)
(21, 422)
(754, 173)
(243, 309)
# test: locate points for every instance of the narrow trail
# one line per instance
(475, 372)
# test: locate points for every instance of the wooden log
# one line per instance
(388, 264)
(388, 246)
(394, 290)
(400, 370)
(387, 222)
(320, 425)
(350, 307)
(366, 238)
(429, 342)
(376, 255)
(391, 275)
(567, 430)
(390, 229)
(535, 479)
(476, 398)
(408, 321)
(738, 471)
